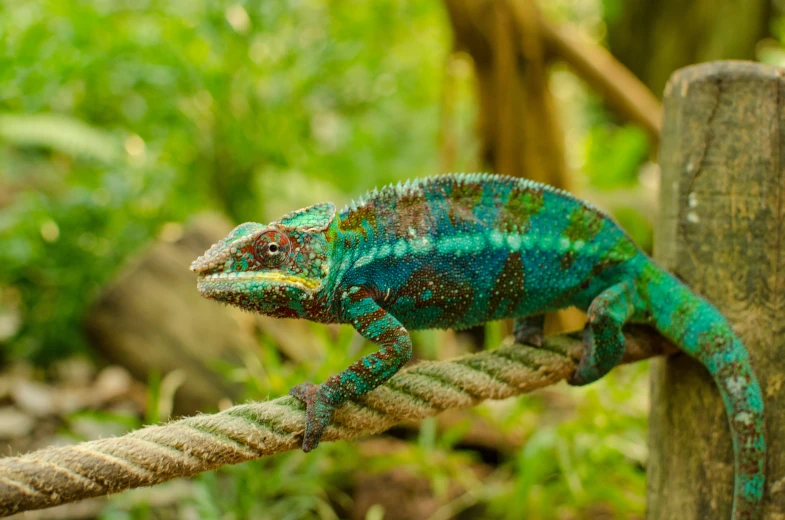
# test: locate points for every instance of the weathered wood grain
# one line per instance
(721, 230)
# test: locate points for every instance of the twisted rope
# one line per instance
(185, 447)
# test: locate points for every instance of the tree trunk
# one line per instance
(721, 230)
(518, 122)
(655, 37)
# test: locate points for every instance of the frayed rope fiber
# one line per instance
(185, 447)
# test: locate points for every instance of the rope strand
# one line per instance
(185, 447)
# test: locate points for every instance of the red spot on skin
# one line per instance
(367, 319)
(510, 284)
(354, 220)
(413, 213)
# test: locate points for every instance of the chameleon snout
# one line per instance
(212, 259)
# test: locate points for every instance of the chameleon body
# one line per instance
(454, 251)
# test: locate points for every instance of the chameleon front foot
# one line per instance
(529, 330)
(318, 413)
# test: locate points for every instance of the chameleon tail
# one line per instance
(699, 329)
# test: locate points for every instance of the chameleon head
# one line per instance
(277, 269)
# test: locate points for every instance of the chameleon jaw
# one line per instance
(220, 282)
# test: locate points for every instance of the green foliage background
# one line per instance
(117, 117)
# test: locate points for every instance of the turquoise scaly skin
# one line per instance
(454, 251)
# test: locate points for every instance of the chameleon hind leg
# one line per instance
(603, 341)
(529, 330)
(365, 374)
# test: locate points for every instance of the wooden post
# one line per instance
(722, 231)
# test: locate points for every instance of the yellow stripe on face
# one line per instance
(276, 277)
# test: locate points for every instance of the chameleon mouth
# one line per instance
(211, 283)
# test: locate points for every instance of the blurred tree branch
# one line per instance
(518, 125)
(622, 90)
(510, 39)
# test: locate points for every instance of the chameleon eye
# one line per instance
(272, 248)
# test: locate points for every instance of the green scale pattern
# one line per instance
(454, 251)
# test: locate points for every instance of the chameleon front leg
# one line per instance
(603, 341)
(362, 376)
(529, 330)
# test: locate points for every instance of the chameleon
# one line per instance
(459, 250)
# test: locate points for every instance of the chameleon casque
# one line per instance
(455, 251)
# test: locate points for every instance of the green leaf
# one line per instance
(614, 155)
(60, 133)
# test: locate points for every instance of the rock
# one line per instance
(70, 399)
(77, 371)
(112, 383)
(14, 423)
(35, 398)
(151, 319)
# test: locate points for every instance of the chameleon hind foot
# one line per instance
(529, 330)
(588, 370)
(603, 340)
(318, 413)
